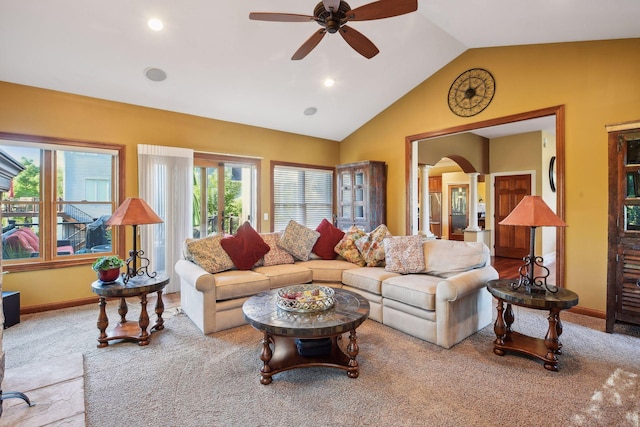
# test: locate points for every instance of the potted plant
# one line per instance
(108, 268)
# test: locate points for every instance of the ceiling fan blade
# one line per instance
(382, 9)
(309, 44)
(280, 17)
(359, 42)
(331, 5)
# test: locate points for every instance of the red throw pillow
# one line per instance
(245, 248)
(330, 235)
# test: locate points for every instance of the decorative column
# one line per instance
(425, 214)
(473, 202)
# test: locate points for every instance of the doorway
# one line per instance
(458, 210)
(527, 119)
(224, 195)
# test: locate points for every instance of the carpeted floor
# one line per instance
(183, 378)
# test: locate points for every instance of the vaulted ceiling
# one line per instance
(221, 65)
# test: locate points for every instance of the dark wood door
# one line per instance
(510, 241)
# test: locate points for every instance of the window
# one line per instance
(56, 209)
(301, 193)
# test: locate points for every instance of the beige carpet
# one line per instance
(55, 388)
(186, 379)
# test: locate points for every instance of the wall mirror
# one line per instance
(547, 119)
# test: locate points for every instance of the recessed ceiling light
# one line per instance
(329, 82)
(155, 24)
(310, 111)
(155, 74)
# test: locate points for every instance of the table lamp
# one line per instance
(533, 212)
(135, 211)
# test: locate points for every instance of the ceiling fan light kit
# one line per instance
(333, 15)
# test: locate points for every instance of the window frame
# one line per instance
(303, 166)
(49, 204)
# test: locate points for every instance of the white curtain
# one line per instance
(165, 182)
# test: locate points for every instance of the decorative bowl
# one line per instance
(305, 298)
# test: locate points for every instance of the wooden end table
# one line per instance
(281, 328)
(129, 330)
(546, 349)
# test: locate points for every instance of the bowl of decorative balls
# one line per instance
(305, 298)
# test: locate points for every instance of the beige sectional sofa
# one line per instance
(443, 304)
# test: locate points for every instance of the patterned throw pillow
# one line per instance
(298, 240)
(371, 247)
(275, 256)
(330, 235)
(347, 248)
(403, 254)
(208, 254)
(246, 247)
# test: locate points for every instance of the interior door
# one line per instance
(510, 241)
(458, 210)
(224, 197)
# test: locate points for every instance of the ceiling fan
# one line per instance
(333, 15)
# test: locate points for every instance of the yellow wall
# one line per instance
(598, 84)
(35, 111)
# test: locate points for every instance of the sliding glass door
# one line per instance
(224, 195)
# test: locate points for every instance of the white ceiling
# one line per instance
(222, 65)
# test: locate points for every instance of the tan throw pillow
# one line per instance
(447, 257)
(403, 254)
(275, 256)
(208, 254)
(347, 248)
(298, 240)
(371, 247)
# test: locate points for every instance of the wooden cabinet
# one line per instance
(361, 195)
(623, 269)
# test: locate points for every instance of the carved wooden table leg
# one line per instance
(144, 321)
(500, 329)
(559, 330)
(159, 310)
(265, 355)
(352, 352)
(123, 310)
(103, 322)
(508, 319)
(551, 341)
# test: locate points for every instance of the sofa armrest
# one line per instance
(196, 276)
(456, 287)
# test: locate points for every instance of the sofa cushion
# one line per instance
(276, 255)
(245, 248)
(298, 240)
(330, 235)
(285, 275)
(448, 257)
(417, 290)
(403, 254)
(327, 271)
(347, 248)
(371, 246)
(366, 278)
(208, 254)
(237, 284)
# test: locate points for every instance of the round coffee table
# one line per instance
(128, 330)
(292, 333)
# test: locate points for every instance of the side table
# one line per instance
(129, 330)
(546, 349)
